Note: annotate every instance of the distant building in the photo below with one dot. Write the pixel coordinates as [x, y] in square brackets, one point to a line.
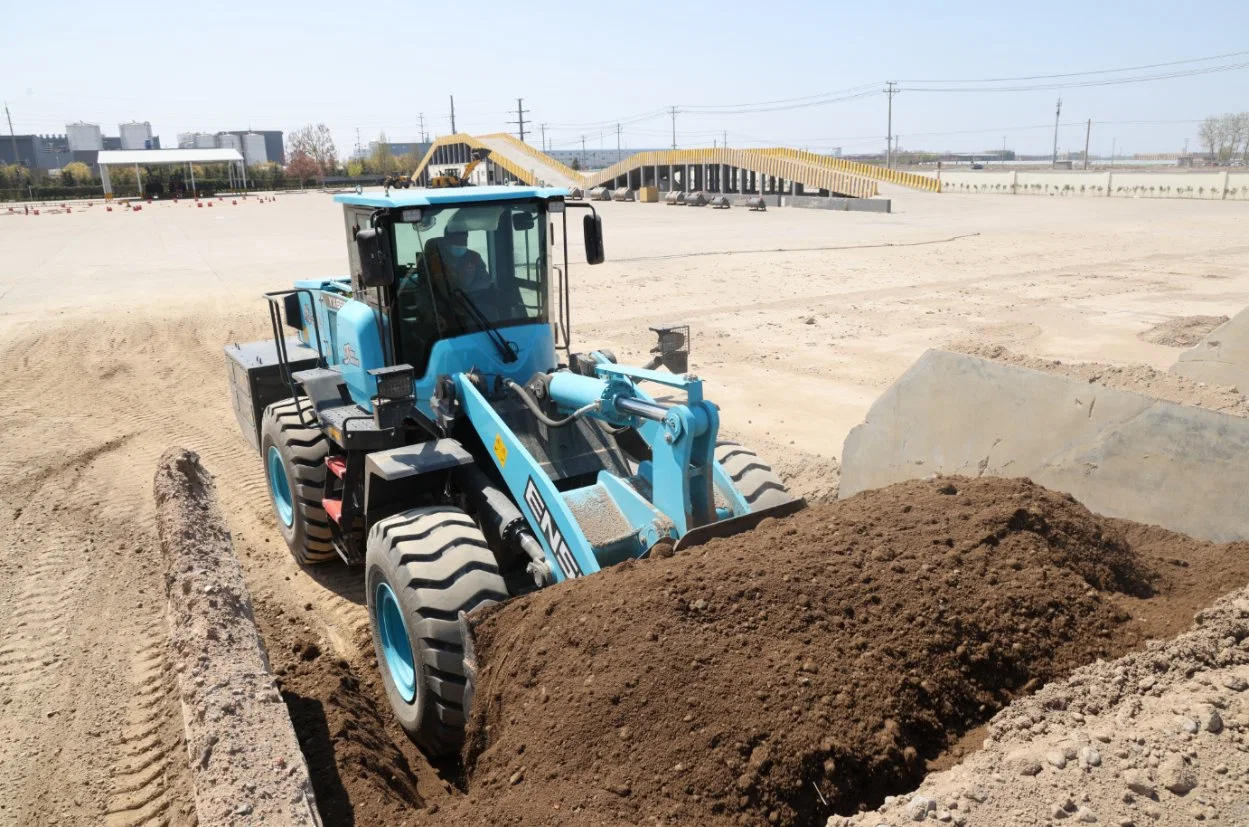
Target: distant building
[594, 158]
[254, 149]
[274, 149]
[399, 150]
[84, 136]
[135, 135]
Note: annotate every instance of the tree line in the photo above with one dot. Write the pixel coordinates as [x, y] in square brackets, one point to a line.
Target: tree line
[1226, 137]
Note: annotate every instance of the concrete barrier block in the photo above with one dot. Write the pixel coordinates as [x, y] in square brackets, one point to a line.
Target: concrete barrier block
[1120, 453]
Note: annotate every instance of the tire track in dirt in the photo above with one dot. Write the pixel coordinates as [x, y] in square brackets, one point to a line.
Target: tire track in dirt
[150, 747]
[82, 617]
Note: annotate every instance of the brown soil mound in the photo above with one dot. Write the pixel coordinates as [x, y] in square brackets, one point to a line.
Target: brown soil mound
[1183, 331]
[812, 666]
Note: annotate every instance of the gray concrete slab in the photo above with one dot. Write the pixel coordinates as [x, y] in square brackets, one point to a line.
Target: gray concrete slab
[1120, 453]
[1222, 357]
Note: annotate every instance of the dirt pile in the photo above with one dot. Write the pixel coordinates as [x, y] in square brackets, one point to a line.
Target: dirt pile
[1157, 737]
[808, 668]
[245, 760]
[1183, 331]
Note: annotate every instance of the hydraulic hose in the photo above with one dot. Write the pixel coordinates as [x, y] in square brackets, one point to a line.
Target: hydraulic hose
[536, 410]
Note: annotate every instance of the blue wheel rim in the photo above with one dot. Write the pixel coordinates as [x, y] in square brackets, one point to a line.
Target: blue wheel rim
[279, 487]
[396, 649]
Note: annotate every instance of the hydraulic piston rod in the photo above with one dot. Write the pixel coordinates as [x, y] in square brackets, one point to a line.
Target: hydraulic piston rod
[642, 408]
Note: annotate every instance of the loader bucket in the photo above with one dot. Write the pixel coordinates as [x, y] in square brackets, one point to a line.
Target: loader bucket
[736, 525]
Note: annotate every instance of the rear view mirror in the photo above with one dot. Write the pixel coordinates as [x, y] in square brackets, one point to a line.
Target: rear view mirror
[593, 229]
[522, 221]
[376, 268]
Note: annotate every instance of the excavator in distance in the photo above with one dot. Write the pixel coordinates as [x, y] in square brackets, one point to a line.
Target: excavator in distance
[450, 178]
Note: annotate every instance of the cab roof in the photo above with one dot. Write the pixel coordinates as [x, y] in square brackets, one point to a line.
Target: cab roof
[449, 195]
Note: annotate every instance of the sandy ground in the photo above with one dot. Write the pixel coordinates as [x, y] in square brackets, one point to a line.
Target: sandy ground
[112, 325]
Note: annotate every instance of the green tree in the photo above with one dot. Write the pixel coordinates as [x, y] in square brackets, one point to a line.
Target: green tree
[311, 150]
[575, 165]
[76, 173]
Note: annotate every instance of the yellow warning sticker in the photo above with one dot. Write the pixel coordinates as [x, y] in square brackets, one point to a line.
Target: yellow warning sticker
[500, 450]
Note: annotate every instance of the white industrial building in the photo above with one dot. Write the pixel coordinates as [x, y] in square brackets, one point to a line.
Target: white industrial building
[135, 135]
[254, 149]
[84, 137]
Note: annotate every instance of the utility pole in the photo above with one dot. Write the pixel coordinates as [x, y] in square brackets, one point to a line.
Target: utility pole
[424, 138]
[16, 159]
[1088, 132]
[520, 117]
[583, 151]
[1057, 112]
[452, 114]
[1112, 151]
[726, 139]
[359, 149]
[1003, 150]
[619, 156]
[543, 127]
[891, 89]
[674, 127]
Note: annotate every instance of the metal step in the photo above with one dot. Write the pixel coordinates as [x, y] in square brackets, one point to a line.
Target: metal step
[337, 465]
[334, 508]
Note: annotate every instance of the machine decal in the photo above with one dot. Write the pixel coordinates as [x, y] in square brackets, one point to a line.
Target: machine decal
[333, 302]
[349, 355]
[533, 498]
[500, 450]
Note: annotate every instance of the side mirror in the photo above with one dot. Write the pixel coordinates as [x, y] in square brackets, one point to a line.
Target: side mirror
[376, 268]
[593, 228]
[522, 221]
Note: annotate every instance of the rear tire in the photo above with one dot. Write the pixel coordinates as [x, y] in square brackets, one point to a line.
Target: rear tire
[752, 477]
[422, 568]
[294, 459]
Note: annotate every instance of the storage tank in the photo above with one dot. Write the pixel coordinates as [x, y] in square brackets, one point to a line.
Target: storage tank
[84, 137]
[135, 135]
[254, 149]
[205, 140]
[228, 140]
[186, 140]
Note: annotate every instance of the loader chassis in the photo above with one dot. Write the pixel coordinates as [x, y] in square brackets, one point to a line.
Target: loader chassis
[417, 417]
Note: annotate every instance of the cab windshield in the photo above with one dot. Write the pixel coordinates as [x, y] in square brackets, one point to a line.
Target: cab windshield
[468, 269]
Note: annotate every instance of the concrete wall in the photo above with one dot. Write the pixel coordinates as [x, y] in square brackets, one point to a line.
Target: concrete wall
[1119, 453]
[1206, 184]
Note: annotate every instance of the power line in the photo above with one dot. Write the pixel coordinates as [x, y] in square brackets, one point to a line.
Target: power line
[1078, 74]
[1209, 70]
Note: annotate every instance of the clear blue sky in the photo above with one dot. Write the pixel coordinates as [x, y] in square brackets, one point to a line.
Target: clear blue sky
[278, 65]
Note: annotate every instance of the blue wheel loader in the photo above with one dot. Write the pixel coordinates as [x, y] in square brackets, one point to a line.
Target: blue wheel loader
[426, 418]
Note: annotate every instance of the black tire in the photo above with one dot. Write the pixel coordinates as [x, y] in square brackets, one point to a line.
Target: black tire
[302, 450]
[436, 564]
[752, 477]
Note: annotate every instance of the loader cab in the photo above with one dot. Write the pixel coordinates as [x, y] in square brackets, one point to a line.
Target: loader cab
[462, 279]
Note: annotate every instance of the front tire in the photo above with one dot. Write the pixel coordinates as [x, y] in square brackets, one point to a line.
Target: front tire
[294, 458]
[751, 477]
[423, 567]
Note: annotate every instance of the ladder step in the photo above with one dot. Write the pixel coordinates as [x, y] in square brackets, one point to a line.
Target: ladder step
[337, 465]
[334, 508]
